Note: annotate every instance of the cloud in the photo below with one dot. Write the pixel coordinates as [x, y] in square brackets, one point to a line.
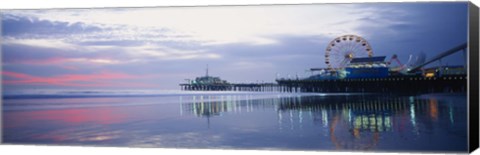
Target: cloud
[102, 79]
[236, 41]
[121, 36]
[21, 26]
[58, 52]
[31, 30]
[158, 52]
[44, 43]
[215, 25]
[43, 52]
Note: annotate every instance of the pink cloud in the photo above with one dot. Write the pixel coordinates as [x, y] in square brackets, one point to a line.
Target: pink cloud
[63, 60]
[48, 61]
[102, 79]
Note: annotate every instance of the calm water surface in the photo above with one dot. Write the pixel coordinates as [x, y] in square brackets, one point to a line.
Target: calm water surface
[241, 121]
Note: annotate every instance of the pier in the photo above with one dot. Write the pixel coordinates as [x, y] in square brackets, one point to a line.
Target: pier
[419, 84]
[256, 87]
[372, 74]
[405, 84]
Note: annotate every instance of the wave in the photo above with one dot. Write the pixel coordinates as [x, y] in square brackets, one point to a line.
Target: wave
[105, 93]
[39, 102]
[56, 93]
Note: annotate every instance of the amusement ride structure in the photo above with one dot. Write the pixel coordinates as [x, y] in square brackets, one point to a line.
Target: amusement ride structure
[341, 50]
[352, 67]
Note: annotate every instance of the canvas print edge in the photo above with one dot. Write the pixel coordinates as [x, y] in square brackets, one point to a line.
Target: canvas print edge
[472, 75]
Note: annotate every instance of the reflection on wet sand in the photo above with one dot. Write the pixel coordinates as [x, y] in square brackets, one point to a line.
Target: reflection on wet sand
[245, 121]
[355, 123]
[103, 116]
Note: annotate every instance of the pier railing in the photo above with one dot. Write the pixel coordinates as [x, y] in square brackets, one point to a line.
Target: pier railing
[257, 87]
[400, 84]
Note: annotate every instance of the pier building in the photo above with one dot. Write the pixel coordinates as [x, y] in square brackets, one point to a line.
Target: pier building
[356, 69]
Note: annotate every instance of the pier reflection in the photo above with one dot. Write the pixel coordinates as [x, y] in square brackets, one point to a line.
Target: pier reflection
[349, 122]
[206, 106]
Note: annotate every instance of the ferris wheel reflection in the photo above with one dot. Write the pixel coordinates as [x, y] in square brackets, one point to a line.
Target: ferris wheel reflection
[350, 122]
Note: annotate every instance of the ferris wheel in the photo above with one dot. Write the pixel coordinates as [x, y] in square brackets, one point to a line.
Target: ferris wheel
[341, 50]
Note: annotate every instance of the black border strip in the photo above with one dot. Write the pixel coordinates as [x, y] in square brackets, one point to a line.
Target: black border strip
[473, 69]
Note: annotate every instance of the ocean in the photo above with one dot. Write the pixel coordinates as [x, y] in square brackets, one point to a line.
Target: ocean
[237, 120]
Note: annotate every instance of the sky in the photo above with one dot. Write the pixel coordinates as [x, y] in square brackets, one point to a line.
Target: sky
[158, 48]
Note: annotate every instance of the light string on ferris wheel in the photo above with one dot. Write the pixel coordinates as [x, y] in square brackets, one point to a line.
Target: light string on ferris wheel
[350, 44]
[340, 52]
[344, 47]
[336, 53]
[357, 48]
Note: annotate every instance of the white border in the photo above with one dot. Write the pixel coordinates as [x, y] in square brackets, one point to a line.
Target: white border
[60, 150]
[36, 4]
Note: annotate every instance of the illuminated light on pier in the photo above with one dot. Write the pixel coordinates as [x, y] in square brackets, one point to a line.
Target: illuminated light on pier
[354, 73]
